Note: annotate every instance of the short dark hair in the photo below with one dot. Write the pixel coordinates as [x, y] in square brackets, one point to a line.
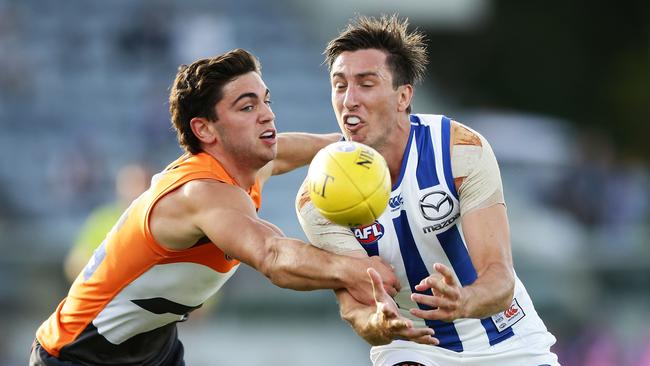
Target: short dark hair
[199, 87]
[406, 51]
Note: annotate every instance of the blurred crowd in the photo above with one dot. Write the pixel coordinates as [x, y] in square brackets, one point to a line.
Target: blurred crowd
[83, 95]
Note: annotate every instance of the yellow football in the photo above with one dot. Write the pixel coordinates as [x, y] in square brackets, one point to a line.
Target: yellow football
[349, 183]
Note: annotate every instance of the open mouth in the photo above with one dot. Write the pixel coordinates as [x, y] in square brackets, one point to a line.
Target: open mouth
[353, 123]
[268, 135]
[352, 120]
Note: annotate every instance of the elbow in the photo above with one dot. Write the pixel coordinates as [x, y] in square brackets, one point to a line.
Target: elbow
[502, 289]
[508, 291]
[271, 264]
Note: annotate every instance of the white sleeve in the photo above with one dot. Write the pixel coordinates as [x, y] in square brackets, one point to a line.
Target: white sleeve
[323, 233]
[482, 185]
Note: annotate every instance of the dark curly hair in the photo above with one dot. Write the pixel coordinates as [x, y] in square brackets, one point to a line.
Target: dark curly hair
[199, 87]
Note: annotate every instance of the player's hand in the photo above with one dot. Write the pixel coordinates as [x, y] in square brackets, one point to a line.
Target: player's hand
[360, 288]
[386, 324]
[446, 299]
[386, 275]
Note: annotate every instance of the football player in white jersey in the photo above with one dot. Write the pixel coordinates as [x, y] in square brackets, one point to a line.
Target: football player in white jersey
[445, 231]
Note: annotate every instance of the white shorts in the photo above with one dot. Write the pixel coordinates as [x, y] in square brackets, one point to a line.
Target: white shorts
[516, 351]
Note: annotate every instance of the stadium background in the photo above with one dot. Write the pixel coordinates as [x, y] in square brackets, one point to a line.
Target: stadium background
[561, 89]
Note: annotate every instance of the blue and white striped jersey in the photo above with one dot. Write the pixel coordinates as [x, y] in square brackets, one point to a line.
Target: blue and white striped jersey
[422, 226]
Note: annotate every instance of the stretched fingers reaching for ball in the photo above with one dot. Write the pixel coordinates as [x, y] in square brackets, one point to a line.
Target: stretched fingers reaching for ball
[447, 297]
[388, 323]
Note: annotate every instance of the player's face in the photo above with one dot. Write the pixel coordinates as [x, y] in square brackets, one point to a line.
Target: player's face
[245, 122]
[363, 97]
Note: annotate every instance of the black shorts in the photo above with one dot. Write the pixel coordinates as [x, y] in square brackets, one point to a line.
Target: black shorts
[40, 357]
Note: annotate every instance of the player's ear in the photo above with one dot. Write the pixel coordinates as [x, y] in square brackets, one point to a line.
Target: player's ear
[405, 94]
[203, 129]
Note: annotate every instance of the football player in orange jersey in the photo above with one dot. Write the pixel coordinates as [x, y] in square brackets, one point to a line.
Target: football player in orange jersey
[180, 240]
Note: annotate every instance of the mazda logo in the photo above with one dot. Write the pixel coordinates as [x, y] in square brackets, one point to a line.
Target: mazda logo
[436, 205]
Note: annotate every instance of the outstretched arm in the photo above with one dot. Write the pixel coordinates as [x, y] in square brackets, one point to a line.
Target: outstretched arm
[226, 215]
[296, 149]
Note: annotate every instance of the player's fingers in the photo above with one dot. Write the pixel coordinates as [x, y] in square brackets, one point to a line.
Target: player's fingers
[377, 285]
[418, 335]
[390, 290]
[429, 281]
[442, 288]
[415, 333]
[437, 302]
[424, 314]
[426, 339]
[391, 282]
[423, 285]
[432, 301]
[396, 326]
[436, 314]
[446, 273]
[389, 312]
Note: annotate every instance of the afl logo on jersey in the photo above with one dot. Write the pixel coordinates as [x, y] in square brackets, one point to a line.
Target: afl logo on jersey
[436, 205]
[369, 234]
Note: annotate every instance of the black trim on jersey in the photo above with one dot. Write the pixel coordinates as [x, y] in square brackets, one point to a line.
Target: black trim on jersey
[160, 305]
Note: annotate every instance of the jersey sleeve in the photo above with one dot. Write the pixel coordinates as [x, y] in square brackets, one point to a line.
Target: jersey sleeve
[482, 186]
[321, 232]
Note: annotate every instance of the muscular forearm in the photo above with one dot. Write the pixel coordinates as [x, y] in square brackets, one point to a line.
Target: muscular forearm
[293, 264]
[488, 240]
[492, 292]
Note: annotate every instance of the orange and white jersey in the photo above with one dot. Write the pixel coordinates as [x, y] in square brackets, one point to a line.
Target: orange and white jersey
[124, 305]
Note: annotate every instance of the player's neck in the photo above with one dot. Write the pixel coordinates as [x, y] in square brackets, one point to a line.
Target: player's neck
[393, 151]
[243, 174]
